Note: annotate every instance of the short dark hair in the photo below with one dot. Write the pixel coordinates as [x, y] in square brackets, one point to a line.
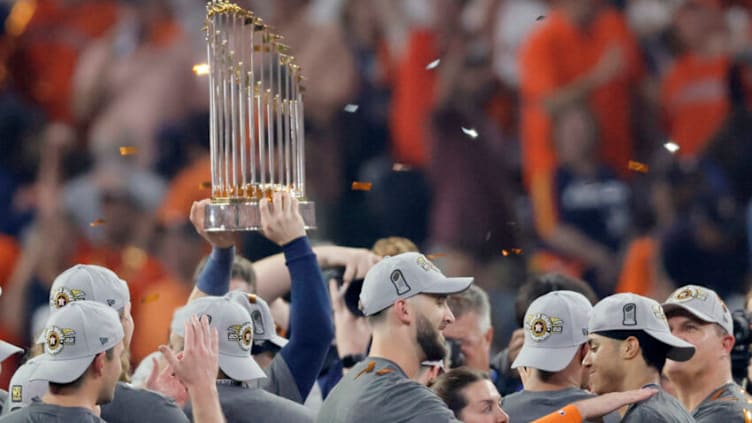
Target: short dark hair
[545, 283]
[57, 387]
[545, 375]
[653, 351]
[449, 385]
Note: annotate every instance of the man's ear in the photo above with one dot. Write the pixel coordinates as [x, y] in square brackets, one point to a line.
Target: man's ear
[98, 364]
[488, 336]
[629, 348]
[402, 311]
[728, 343]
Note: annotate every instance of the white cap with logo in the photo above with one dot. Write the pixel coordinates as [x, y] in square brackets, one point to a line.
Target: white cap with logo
[556, 326]
[74, 335]
[89, 282]
[235, 335]
[404, 276]
[22, 389]
[261, 316]
[628, 312]
[7, 350]
[701, 302]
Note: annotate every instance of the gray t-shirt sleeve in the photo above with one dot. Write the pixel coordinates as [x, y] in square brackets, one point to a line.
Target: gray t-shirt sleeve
[279, 380]
[142, 406]
[718, 411]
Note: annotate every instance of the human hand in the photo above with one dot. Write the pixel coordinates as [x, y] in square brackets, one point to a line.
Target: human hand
[515, 344]
[162, 379]
[351, 332]
[281, 222]
[216, 239]
[198, 365]
[356, 261]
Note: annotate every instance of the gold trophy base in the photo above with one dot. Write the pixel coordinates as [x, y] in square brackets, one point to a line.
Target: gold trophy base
[245, 216]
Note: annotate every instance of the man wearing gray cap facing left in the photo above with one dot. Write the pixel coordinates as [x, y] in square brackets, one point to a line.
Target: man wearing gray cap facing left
[240, 399]
[102, 285]
[704, 384]
[629, 342]
[405, 300]
[81, 362]
[555, 343]
[22, 389]
[6, 350]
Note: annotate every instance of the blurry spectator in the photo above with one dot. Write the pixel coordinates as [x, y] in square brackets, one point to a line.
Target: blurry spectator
[585, 217]
[471, 396]
[514, 21]
[135, 80]
[582, 52]
[694, 93]
[48, 47]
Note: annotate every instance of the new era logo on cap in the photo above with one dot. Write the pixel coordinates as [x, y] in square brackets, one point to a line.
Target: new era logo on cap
[703, 303]
[403, 276]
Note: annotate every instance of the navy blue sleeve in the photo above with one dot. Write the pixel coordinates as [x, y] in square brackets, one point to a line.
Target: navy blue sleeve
[215, 278]
[311, 325]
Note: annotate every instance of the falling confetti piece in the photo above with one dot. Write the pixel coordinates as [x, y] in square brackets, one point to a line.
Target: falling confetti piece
[361, 186]
[150, 298]
[433, 65]
[127, 151]
[97, 222]
[638, 167]
[511, 251]
[488, 236]
[399, 167]
[470, 132]
[205, 185]
[672, 147]
[517, 251]
[351, 108]
[201, 69]
[435, 256]
[540, 18]
[504, 253]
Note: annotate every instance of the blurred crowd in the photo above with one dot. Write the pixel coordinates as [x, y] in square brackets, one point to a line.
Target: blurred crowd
[606, 140]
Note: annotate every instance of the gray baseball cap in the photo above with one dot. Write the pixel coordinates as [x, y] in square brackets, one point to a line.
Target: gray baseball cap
[703, 303]
[261, 317]
[235, 335]
[556, 326]
[7, 350]
[404, 276]
[635, 312]
[74, 335]
[22, 389]
[89, 282]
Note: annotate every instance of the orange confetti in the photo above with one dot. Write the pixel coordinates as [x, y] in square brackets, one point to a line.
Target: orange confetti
[150, 298]
[515, 251]
[97, 222]
[504, 253]
[205, 185]
[435, 256]
[361, 186]
[127, 151]
[638, 167]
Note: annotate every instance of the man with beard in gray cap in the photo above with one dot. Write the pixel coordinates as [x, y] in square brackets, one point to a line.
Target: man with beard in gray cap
[405, 300]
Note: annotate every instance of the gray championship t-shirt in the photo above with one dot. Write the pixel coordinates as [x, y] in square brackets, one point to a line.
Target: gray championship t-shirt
[250, 404]
[377, 390]
[141, 405]
[526, 406]
[727, 404]
[279, 380]
[659, 408]
[39, 412]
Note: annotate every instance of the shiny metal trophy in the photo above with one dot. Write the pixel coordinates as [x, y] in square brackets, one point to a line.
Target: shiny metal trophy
[256, 127]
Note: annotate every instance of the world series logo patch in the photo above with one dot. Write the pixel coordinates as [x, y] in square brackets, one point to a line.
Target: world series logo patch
[541, 326]
[57, 338]
[63, 297]
[242, 334]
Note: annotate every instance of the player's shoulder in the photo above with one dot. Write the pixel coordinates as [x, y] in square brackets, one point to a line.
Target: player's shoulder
[729, 404]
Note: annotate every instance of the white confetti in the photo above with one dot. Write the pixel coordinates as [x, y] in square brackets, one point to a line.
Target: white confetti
[470, 132]
[434, 64]
[672, 147]
[351, 108]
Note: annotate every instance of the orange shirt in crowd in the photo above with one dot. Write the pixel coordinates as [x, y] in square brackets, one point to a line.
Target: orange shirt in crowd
[185, 188]
[557, 54]
[638, 272]
[153, 315]
[47, 50]
[694, 96]
[413, 100]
